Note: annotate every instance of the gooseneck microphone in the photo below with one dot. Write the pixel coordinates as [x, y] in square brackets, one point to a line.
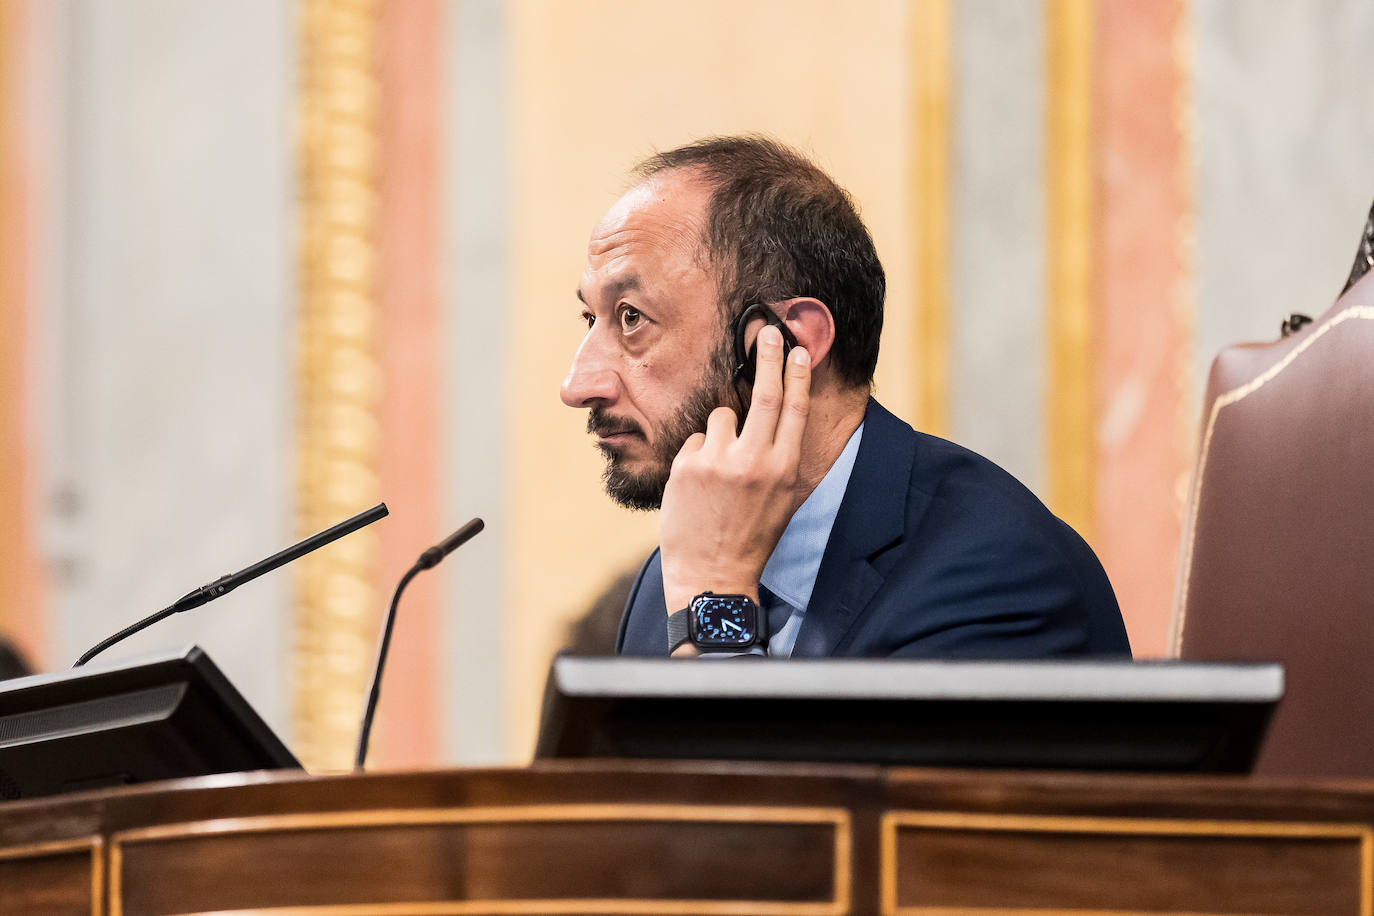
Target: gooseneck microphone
[225, 584]
[428, 560]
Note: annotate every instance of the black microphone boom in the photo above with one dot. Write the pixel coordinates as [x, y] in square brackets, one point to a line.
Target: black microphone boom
[431, 557]
[428, 560]
[225, 584]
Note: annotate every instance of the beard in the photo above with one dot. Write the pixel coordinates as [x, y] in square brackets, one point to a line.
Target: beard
[643, 490]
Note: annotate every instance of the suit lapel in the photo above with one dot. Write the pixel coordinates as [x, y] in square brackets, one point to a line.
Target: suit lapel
[871, 516]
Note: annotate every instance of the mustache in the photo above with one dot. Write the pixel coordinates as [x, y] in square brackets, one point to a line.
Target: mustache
[599, 423]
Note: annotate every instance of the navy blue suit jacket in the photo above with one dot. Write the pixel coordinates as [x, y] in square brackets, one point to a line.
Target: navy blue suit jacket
[936, 553]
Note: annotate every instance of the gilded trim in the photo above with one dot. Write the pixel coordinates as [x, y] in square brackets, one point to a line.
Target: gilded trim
[1046, 911]
[1367, 873]
[892, 821]
[931, 38]
[1055, 823]
[338, 374]
[1069, 391]
[116, 880]
[1235, 396]
[838, 818]
[589, 907]
[54, 848]
[99, 855]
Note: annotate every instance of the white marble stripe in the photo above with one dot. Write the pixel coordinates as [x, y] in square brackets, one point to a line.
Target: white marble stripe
[174, 406]
[1284, 168]
[479, 321]
[997, 217]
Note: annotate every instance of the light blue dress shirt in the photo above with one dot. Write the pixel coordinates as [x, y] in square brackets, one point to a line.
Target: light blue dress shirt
[790, 573]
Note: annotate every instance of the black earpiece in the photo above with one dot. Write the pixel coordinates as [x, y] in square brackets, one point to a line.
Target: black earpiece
[745, 360]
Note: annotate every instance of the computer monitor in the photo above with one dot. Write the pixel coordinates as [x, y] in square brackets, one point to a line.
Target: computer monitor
[1086, 715]
[159, 717]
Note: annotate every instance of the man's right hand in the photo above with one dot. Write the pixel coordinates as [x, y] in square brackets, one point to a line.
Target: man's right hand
[729, 498]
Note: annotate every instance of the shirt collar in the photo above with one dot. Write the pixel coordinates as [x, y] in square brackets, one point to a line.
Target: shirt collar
[791, 571]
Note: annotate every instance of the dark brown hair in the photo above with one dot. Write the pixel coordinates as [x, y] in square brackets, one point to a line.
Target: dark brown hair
[779, 227]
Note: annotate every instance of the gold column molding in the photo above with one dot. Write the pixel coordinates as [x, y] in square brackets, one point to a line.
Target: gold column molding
[1069, 409]
[338, 373]
[930, 43]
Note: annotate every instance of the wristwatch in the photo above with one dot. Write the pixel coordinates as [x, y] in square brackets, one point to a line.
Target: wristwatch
[716, 623]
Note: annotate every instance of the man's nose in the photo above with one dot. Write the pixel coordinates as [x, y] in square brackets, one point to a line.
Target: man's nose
[591, 378]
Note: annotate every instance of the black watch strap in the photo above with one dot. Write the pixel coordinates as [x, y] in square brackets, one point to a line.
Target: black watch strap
[677, 629]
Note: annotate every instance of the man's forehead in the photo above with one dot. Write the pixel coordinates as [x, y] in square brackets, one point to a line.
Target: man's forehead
[668, 208]
[653, 234]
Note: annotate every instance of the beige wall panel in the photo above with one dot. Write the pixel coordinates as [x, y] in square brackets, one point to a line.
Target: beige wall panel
[595, 86]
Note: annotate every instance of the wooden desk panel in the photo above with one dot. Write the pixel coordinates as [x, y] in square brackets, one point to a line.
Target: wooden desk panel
[950, 863]
[700, 838]
[538, 858]
[62, 878]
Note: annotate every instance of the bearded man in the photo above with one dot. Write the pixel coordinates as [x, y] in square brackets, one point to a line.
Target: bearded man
[734, 304]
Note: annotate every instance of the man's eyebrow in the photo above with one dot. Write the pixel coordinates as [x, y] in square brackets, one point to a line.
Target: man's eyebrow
[615, 288]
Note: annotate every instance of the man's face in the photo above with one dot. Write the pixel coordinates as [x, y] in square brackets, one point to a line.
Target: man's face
[653, 364]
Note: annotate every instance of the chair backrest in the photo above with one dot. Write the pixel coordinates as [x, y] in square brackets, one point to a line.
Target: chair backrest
[1277, 557]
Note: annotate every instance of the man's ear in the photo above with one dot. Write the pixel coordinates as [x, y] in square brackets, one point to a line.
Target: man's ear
[811, 323]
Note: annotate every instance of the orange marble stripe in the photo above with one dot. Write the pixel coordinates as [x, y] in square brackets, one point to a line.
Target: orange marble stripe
[21, 573]
[411, 343]
[1141, 288]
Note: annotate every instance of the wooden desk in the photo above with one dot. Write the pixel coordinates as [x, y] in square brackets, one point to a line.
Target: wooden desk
[656, 838]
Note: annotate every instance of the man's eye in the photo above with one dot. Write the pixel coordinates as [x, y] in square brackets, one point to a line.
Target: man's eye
[589, 318]
[630, 318]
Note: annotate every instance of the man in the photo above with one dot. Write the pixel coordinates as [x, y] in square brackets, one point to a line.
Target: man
[856, 534]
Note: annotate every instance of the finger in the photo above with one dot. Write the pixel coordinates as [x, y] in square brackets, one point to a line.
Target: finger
[766, 399]
[695, 442]
[796, 403]
[720, 427]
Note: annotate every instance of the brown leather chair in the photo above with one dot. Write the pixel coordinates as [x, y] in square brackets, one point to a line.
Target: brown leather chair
[1277, 558]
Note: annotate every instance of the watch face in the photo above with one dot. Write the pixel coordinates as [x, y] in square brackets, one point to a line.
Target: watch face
[724, 622]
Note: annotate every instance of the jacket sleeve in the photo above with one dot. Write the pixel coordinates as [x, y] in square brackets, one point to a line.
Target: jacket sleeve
[999, 591]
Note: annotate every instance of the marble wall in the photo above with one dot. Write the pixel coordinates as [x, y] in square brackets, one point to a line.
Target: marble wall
[168, 457]
[167, 345]
[998, 219]
[485, 324]
[1284, 127]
